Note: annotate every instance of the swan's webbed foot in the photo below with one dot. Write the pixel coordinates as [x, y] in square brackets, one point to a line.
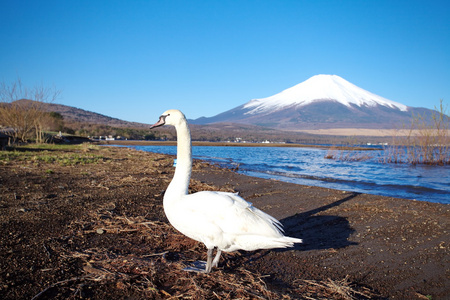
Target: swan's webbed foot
[198, 266]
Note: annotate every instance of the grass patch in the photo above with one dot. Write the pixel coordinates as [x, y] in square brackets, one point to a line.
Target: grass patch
[65, 155]
[70, 159]
[57, 147]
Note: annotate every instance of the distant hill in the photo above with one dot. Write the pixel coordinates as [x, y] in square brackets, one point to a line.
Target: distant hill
[321, 102]
[73, 114]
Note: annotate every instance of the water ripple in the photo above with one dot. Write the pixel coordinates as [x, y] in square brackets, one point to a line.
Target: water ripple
[309, 167]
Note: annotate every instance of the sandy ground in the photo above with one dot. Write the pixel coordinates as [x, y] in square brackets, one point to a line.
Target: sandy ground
[356, 132]
[89, 223]
[364, 132]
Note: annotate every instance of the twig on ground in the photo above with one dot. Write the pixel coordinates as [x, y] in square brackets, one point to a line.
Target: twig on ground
[56, 284]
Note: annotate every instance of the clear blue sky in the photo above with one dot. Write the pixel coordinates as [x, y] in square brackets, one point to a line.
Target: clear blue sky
[134, 59]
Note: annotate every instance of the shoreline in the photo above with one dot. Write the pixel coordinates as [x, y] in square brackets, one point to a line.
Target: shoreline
[230, 144]
[104, 219]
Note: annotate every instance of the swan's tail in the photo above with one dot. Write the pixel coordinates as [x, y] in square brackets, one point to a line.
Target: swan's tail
[290, 241]
[255, 242]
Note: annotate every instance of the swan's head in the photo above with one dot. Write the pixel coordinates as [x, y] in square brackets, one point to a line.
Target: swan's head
[170, 117]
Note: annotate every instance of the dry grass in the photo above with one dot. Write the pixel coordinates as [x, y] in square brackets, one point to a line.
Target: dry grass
[156, 271]
[334, 289]
[354, 154]
[158, 274]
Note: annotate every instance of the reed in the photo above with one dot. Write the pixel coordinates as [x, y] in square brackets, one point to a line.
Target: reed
[425, 142]
[352, 151]
[354, 154]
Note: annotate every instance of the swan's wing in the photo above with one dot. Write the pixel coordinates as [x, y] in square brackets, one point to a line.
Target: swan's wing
[248, 206]
[227, 221]
[232, 213]
[197, 216]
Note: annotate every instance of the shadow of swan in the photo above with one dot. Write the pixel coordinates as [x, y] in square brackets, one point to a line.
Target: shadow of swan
[320, 232]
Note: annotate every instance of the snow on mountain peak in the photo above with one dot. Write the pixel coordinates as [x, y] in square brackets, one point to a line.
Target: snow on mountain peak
[320, 87]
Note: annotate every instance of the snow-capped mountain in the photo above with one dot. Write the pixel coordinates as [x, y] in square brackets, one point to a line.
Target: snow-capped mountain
[322, 101]
[319, 88]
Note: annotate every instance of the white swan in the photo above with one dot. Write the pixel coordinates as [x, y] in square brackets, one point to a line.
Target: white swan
[217, 219]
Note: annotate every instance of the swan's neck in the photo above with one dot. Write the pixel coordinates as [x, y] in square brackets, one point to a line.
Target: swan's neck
[180, 182]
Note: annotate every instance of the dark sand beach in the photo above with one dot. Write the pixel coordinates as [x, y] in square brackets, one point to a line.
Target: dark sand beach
[89, 223]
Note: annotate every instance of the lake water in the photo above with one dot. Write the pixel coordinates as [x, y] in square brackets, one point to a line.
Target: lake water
[308, 166]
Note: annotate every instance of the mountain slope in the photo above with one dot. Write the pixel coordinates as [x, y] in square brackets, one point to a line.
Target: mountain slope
[73, 114]
[323, 101]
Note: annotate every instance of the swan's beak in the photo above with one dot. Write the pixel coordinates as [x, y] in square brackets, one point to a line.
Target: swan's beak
[161, 122]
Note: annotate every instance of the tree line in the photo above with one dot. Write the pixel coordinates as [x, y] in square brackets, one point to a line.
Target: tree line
[23, 117]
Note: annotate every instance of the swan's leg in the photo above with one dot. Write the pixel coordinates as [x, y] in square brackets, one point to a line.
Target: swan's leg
[210, 263]
[215, 262]
[209, 260]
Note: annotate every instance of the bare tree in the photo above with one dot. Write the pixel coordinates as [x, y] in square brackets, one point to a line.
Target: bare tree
[22, 111]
